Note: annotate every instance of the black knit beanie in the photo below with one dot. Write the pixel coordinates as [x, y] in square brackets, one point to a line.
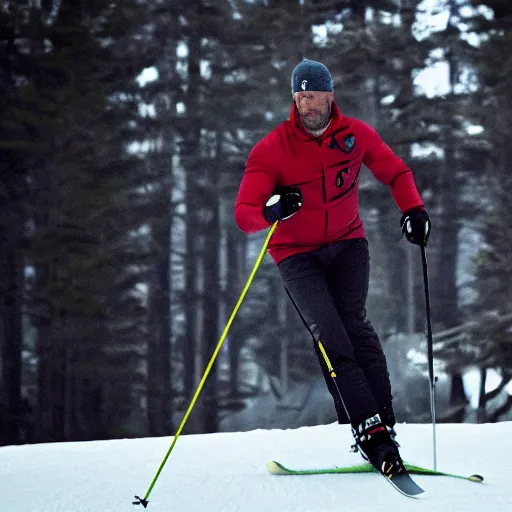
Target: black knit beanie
[310, 75]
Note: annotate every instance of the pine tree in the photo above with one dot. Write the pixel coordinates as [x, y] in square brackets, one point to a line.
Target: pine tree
[81, 247]
[492, 334]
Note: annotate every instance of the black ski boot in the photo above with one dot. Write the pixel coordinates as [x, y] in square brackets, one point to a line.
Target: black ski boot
[392, 433]
[376, 445]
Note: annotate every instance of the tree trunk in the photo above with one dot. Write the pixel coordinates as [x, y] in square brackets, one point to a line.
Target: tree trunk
[482, 399]
[211, 311]
[11, 292]
[13, 193]
[159, 345]
[233, 289]
[49, 322]
[445, 308]
[190, 156]
[51, 383]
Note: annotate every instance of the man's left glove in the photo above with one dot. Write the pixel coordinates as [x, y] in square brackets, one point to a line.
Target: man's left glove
[415, 224]
[282, 204]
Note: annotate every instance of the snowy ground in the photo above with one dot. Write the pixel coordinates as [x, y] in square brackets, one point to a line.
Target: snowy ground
[226, 472]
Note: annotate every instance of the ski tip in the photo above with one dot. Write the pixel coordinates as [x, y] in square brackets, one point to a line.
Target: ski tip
[274, 468]
[406, 485]
[420, 496]
[417, 494]
[476, 478]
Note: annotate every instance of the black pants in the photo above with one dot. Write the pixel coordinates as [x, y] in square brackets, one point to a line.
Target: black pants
[329, 286]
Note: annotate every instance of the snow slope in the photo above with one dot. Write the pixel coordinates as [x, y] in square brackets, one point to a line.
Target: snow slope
[226, 472]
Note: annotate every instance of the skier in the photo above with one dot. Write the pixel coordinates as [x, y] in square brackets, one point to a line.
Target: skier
[305, 173]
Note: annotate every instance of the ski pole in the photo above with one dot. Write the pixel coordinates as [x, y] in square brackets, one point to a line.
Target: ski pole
[144, 501]
[430, 350]
[320, 345]
[332, 373]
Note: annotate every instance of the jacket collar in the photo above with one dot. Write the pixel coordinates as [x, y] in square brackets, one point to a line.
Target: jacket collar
[337, 122]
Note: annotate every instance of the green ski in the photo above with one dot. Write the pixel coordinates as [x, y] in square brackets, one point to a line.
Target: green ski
[276, 468]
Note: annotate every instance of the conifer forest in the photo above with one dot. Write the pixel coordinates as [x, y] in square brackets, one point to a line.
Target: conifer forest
[124, 131]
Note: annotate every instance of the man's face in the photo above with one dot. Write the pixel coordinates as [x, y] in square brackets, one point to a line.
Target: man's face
[314, 108]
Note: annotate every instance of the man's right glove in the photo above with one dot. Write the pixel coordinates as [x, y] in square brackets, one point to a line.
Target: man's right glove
[282, 204]
[415, 224]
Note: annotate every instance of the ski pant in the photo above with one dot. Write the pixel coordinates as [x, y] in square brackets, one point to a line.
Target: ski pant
[329, 287]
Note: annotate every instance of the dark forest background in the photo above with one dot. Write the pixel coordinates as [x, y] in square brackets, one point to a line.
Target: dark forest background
[120, 261]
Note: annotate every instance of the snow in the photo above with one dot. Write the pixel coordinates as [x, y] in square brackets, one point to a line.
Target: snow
[226, 472]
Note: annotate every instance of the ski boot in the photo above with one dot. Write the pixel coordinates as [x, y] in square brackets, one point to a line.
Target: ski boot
[375, 444]
[392, 434]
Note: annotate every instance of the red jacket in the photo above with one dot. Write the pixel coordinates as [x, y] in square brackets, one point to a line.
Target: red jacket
[326, 169]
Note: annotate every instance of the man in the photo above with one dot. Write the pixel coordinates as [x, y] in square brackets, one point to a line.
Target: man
[305, 174]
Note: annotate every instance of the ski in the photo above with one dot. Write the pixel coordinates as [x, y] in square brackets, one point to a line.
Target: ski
[402, 482]
[276, 468]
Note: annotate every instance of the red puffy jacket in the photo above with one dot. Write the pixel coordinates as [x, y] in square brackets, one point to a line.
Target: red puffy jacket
[326, 169]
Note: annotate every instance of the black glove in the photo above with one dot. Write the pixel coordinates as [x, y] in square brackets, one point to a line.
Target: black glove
[282, 204]
[415, 224]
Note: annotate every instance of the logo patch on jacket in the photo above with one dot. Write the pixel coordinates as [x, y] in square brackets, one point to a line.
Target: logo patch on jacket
[339, 177]
[346, 146]
[350, 142]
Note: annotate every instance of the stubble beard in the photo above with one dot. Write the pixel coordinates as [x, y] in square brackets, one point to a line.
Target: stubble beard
[317, 121]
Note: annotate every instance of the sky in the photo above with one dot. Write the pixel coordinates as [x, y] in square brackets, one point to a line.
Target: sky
[226, 472]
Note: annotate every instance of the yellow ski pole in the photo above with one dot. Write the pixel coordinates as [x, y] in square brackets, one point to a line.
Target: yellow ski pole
[144, 501]
[330, 368]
